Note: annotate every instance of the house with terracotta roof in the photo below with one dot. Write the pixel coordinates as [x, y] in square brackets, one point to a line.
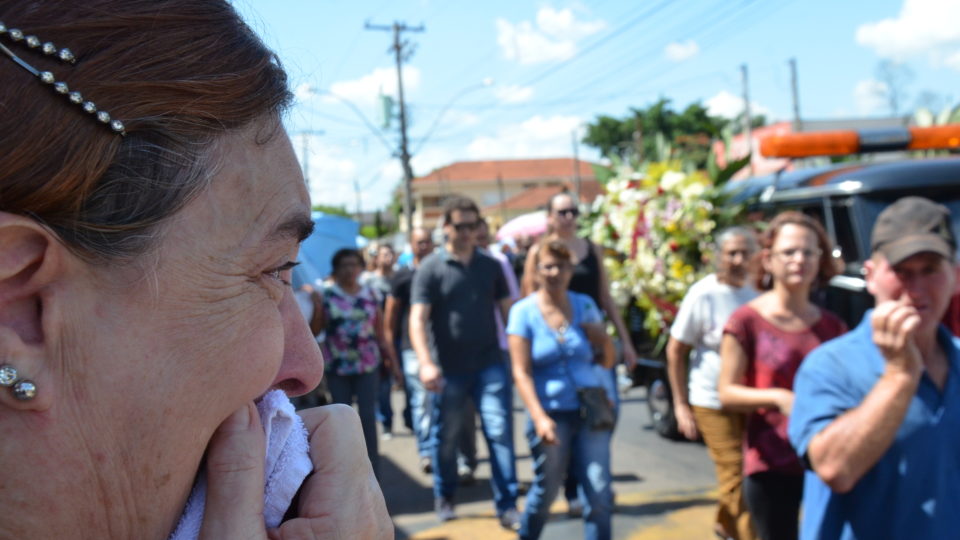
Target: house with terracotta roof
[503, 189]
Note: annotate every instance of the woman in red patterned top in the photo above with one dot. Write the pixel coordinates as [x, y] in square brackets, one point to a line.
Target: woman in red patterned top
[763, 344]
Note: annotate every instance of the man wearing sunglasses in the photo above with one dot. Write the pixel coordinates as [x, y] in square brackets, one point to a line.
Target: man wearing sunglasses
[452, 324]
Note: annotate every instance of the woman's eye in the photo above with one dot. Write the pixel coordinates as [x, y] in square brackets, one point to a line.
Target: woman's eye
[282, 273]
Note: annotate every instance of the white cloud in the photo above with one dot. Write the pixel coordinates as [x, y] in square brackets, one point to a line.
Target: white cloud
[728, 105]
[678, 51]
[538, 136]
[552, 37]
[513, 93]
[365, 91]
[868, 96]
[923, 27]
[953, 61]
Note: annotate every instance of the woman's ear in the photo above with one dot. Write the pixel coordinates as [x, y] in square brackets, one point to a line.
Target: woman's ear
[30, 261]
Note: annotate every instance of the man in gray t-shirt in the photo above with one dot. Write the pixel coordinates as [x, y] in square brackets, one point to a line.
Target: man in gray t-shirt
[454, 295]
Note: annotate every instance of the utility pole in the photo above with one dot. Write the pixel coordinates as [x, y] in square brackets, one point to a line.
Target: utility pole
[503, 210]
[400, 54]
[747, 127]
[576, 164]
[797, 124]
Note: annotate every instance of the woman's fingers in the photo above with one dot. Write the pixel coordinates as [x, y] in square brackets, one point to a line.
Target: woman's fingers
[234, 505]
[342, 498]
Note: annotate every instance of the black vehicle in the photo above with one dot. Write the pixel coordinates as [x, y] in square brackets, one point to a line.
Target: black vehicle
[846, 198]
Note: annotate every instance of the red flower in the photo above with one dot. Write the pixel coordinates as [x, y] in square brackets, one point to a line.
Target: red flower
[674, 246]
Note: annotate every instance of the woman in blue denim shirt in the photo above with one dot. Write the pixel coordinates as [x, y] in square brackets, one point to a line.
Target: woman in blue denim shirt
[552, 335]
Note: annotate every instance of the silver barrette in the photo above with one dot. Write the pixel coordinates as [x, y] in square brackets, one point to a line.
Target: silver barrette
[64, 55]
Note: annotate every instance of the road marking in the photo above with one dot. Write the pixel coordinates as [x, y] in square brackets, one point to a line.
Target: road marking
[682, 524]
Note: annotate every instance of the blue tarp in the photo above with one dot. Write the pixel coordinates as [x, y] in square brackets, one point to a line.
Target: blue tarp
[330, 234]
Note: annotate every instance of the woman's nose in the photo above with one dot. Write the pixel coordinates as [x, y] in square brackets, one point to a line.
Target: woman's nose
[302, 366]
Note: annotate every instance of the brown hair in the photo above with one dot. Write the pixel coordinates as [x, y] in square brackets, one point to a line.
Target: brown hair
[458, 203]
[791, 217]
[554, 247]
[178, 73]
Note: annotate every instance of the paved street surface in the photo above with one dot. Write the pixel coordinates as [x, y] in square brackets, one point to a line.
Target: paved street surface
[663, 488]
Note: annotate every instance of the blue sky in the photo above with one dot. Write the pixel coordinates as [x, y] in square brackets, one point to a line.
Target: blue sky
[503, 79]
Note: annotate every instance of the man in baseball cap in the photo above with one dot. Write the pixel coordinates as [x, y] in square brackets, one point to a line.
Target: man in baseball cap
[876, 416]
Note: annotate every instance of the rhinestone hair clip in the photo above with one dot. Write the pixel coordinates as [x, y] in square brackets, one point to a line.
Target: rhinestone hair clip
[46, 77]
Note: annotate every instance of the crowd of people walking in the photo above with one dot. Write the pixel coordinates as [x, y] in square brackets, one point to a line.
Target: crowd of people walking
[465, 328]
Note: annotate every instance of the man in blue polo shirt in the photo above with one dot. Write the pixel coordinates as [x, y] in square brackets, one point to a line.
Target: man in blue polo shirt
[452, 323]
[876, 413]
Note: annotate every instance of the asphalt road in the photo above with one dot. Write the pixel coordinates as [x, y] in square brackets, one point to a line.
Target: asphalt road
[664, 489]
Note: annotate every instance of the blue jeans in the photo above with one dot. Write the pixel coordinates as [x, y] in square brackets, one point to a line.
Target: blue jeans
[608, 379]
[384, 407]
[421, 408]
[589, 452]
[363, 388]
[492, 393]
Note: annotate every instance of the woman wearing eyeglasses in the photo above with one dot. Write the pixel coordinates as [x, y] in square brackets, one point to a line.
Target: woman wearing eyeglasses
[763, 344]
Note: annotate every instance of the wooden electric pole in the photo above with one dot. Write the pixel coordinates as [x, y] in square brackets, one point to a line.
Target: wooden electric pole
[400, 54]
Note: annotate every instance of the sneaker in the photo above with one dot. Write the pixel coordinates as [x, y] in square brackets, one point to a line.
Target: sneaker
[444, 508]
[387, 434]
[426, 466]
[510, 520]
[465, 475]
[574, 508]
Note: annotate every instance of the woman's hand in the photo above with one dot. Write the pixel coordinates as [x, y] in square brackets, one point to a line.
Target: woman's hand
[546, 429]
[784, 400]
[341, 499]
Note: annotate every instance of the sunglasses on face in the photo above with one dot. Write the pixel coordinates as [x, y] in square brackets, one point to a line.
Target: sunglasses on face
[569, 212]
[465, 226]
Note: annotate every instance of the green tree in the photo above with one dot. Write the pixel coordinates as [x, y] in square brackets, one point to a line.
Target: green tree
[657, 132]
[332, 210]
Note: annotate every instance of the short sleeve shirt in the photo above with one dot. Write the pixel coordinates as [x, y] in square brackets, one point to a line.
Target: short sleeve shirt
[699, 323]
[773, 358]
[400, 291]
[462, 298]
[912, 491]
[351, 340]
[561, 362]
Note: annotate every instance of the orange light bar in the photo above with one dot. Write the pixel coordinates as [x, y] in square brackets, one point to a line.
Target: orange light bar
[935, 138]
[840, 143]
[821, 143]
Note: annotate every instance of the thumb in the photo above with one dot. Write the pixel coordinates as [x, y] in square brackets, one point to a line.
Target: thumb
[235, 456]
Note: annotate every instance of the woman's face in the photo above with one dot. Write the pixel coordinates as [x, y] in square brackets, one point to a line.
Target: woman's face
[554, 273]
[563, 214]
[794, 258]
[154, 360]
[385, 257]
[348, 271]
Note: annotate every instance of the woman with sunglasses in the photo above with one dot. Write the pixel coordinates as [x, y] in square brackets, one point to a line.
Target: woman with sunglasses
[588, 278]
[763, 345]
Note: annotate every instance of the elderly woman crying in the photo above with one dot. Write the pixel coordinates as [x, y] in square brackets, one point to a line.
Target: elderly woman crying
[151, 209]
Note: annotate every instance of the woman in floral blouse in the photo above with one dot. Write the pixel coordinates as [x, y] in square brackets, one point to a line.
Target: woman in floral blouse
[355, 344]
